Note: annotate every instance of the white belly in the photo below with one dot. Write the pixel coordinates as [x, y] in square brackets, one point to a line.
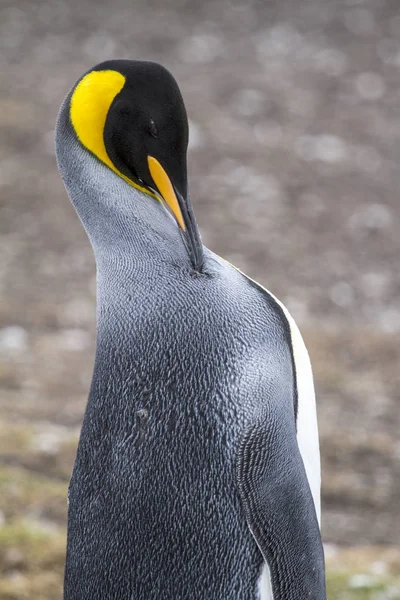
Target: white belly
[307, 431]
[307, 428]
[264, 584]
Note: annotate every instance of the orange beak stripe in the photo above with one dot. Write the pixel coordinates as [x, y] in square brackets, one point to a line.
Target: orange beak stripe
[164, 184]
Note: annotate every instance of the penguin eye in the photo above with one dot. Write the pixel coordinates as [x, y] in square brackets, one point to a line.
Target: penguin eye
[153, 129]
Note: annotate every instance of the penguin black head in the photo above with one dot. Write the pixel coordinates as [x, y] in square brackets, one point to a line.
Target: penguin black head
[131, 116]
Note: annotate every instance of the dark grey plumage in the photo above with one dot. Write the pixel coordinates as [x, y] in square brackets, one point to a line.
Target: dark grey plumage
[188, 474]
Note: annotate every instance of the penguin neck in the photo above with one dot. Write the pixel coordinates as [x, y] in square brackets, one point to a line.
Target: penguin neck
[119, 219]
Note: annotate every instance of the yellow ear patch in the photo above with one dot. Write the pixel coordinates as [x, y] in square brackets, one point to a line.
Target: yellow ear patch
[90, 103]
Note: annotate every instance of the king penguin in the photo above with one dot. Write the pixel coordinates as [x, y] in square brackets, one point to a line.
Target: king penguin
[197, 475]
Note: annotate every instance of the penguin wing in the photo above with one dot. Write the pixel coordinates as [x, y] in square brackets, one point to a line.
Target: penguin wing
[279, 506]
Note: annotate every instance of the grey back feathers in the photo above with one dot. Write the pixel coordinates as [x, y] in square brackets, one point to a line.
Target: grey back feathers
[188, 481]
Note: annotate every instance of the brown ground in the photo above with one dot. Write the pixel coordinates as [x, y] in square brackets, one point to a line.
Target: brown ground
[294, 178]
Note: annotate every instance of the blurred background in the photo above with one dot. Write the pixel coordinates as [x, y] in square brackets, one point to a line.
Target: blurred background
[294, 177]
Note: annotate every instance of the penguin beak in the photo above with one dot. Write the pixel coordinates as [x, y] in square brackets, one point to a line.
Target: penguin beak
[181, 209]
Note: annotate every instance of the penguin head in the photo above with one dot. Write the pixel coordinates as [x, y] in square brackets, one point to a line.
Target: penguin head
[131, 116]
